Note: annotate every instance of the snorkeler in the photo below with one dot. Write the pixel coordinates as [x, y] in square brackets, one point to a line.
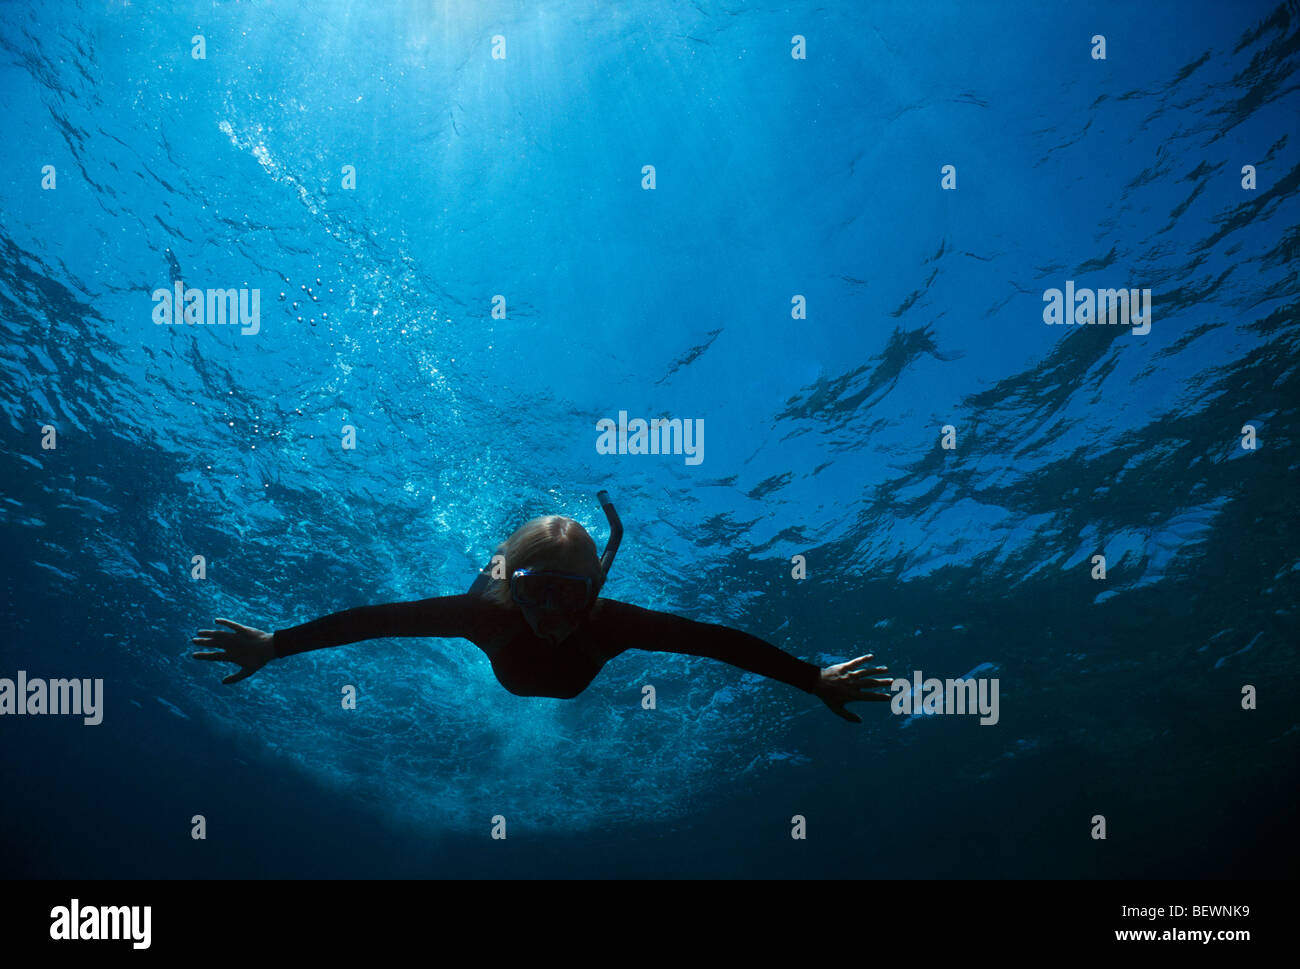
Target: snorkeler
[544, 628]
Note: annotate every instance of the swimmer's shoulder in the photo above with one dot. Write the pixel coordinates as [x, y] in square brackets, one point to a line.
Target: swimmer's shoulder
[614, 622]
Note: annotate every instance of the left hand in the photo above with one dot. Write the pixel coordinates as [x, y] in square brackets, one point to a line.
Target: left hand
[250, 648]
[853, 680]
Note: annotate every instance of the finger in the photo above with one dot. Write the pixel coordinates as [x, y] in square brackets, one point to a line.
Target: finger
[235, 625]
[863, 684]
[836, 707]
[857, 675]
[853, 664]
[220, 655]
[224, 636]
[236, 677]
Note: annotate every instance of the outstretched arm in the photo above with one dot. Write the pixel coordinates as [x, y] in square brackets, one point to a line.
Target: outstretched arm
[252, 648]
[439, 616]
[631, 627]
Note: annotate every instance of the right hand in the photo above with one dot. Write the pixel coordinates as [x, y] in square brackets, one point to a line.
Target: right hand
[846, 682]
[250, 648]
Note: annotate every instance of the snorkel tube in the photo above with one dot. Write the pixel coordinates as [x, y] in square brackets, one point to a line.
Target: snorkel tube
[615, 531]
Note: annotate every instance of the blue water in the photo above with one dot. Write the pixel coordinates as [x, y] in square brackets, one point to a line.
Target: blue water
[774, 177]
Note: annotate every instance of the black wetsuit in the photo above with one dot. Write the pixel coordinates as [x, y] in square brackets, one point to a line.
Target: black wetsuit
[525, 664]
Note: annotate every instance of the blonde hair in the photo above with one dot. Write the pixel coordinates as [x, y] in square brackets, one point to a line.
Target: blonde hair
[532, 541]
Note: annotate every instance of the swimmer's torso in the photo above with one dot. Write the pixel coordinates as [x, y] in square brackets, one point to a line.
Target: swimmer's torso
[526, 665]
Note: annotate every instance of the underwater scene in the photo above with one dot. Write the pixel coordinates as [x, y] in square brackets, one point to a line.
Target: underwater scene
[940, 362]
